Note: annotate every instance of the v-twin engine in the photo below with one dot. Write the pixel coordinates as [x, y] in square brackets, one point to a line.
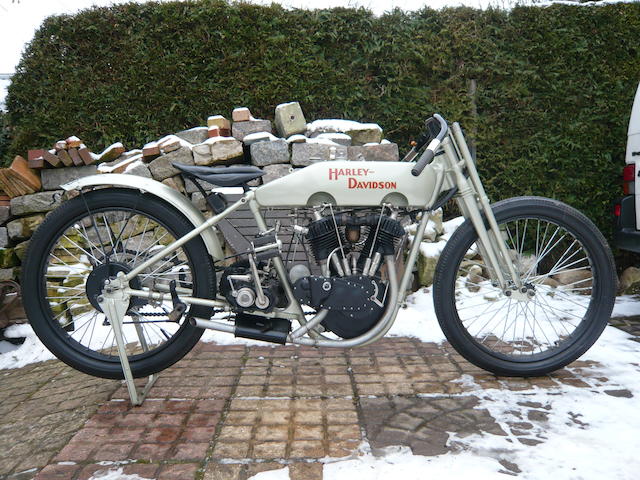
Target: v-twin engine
[350, 249]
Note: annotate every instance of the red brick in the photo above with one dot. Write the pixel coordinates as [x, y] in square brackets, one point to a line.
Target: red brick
[75, 452]
[203, 420]
[57, 472]
[113, 452]
[170, 420]
[135, 419]
[113, 407]
[33, 154]
[102, 420]
[162, 435]
[144, 471]
[178, 472]
[171, 406]
[198, 434]
[192, 450]
[230, 449]
[120, 434]
[209, 406]
[92, 435]
[151, 451]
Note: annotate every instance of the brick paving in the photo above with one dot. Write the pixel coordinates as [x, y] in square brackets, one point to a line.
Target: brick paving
[630, 325]
[229, 412]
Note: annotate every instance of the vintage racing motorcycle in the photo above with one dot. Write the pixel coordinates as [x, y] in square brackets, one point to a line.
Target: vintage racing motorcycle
[124, 277]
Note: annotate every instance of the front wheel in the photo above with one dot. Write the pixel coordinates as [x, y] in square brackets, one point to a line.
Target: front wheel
[94, 237]
[568, 290]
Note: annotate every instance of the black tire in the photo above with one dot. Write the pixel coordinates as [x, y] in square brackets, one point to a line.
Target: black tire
[196, 272]
[486, 348]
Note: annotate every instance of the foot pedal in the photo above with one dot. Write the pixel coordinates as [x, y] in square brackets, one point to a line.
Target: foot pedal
[178, 307]
[274, 330]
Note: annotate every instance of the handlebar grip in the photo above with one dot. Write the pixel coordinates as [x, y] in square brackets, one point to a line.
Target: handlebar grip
[426, 157]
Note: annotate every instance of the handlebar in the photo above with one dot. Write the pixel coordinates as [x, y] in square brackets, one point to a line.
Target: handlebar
[430, 151]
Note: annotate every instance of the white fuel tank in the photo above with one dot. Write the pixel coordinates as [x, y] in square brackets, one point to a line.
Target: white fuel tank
[345, 183]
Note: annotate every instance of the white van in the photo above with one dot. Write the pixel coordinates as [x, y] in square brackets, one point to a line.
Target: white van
[626, 233]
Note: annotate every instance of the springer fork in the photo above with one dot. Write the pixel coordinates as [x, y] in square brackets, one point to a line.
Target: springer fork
[474, 205]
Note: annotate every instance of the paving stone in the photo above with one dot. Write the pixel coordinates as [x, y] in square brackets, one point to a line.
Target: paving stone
[59, 412]
[242, 129]
[269, 449]
[339, 138]
[4, 237]
[140, 169]
[5, 213]
[58, 472]
[273, 172]
[407, 422]
[53, 178]
[289, 119]
[269, 153]
[190, 450]
[36, 202]
[22, 228]
[215, 471]
[194, 135]
[178, 472]
[303, 154]
[162, 167]
[360, 133]
[386, 152]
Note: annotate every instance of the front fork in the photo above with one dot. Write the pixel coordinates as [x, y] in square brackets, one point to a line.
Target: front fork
[474, 205]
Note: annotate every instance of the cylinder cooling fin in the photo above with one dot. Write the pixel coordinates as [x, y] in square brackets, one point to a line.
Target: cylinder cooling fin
[322, 238]
[381, 233]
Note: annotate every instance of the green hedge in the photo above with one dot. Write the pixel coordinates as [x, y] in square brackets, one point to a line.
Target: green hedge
[554, 85]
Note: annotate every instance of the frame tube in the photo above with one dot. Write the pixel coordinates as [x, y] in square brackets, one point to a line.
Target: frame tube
[182, 240]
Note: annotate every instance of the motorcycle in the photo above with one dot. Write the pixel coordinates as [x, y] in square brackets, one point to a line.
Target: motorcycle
[130, 271]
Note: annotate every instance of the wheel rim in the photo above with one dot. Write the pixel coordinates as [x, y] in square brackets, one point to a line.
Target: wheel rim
[124, 238]
[551, 310]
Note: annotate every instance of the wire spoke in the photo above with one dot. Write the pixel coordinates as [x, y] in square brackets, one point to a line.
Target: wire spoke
[541, 318]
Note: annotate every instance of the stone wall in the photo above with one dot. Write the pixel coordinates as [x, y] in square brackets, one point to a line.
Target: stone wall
[277, 147]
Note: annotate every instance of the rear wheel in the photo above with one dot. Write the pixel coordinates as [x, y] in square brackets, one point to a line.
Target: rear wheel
[567, 295]
[91, 238]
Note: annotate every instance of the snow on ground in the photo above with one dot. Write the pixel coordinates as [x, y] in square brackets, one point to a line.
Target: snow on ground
[589, 433]
[31, 351]
[417, 320]
[279, 474]
[115, 474]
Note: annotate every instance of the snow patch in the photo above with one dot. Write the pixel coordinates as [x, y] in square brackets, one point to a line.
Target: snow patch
[174, 138]
[339, 126]
[279, 474]
[31, 351]
[400, 462]
[259, 137]
[115, 474]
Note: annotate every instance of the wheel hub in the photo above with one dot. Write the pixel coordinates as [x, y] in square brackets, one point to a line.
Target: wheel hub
[100, 274]
[524, 294]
